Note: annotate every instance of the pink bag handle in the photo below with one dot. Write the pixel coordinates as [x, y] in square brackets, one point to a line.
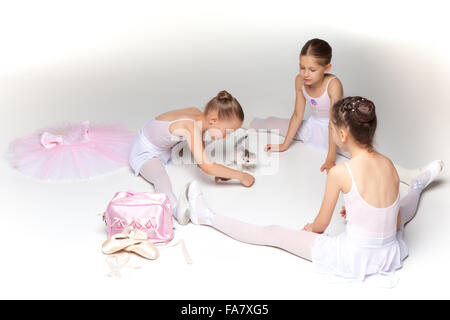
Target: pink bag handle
[141, 195]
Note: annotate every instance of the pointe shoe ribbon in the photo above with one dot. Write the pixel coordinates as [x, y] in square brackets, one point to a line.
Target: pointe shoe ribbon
[187, 258]
[131, 240]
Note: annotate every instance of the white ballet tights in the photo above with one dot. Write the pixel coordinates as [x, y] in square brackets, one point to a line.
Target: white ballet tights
[409, 203]
[271, 123]
[282, 125]
[154, 172]
[297, 242]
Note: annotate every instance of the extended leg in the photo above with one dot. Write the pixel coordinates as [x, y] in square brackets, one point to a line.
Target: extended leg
[154, 172]
[409, 203]
[297, 242]
[406, 175]
[271, 123]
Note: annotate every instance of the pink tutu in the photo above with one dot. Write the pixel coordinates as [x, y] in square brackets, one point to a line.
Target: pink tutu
[74, 151]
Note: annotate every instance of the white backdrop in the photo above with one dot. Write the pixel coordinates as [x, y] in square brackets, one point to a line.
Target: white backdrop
[126, 61]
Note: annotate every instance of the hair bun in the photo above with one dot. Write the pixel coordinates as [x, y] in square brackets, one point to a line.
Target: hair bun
[364, 110]
[224, 96]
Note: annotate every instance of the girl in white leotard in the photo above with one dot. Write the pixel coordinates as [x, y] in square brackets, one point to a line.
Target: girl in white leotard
[373, 241]
[315, 87]
[151, 149]
[320, 90]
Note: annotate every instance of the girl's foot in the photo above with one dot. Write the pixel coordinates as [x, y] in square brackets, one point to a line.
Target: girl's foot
[427, 175]
[407, 175]
[182, 210]
[199, 212]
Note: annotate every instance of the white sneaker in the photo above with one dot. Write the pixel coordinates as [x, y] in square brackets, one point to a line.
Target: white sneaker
[199, 212]
[182, 212]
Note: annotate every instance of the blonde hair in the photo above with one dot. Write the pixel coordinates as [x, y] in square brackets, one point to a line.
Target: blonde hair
[226, 106]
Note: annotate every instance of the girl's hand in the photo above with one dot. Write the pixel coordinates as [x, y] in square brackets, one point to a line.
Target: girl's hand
[327, 165]
[343, 212]
[275, 147]
[247, 180]
[217, 179]
[308, 227]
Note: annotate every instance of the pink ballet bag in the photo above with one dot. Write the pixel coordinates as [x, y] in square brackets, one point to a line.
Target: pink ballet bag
[146, 211]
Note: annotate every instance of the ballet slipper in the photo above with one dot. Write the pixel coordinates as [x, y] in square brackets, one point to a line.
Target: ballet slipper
[182, 212]
[145, 249]
[118, 242]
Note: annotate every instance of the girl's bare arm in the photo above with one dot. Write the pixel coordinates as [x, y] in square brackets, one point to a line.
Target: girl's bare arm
[297, 116]
[332, 190]
[194, 138]
[335, 92]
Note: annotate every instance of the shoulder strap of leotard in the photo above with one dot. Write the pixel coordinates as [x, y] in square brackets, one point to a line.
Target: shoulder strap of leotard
[328, 83]
[349, 171]
[305, 94]
[326, 88]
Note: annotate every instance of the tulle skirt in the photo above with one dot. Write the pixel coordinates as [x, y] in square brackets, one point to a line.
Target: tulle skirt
[355, 257]
[73, 151]
[314, 133]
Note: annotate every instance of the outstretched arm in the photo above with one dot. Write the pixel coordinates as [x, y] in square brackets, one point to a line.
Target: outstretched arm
[329, 201]
[296, 118]
[194, 137]
[335, 93]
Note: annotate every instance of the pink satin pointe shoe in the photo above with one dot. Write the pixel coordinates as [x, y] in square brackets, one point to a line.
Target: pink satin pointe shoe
[145, 249]
[131, 241]
[118, 242]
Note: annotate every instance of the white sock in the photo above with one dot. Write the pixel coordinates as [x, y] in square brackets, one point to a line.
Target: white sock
[154, 172]
[427, 174]
[200, 213]
[421, 180]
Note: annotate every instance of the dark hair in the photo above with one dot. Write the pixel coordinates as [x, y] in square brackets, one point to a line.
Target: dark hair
[317, 48]
[357, 114]
[226, 105]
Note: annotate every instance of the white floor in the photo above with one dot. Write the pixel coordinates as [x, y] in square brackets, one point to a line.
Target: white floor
[52, 233]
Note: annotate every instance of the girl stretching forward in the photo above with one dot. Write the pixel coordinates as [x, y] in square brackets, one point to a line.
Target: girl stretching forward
[152, 147]
[315, 86]
[376, 216]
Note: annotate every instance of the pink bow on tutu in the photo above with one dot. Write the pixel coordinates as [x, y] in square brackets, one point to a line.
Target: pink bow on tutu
[74, 135]
[73, 151]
